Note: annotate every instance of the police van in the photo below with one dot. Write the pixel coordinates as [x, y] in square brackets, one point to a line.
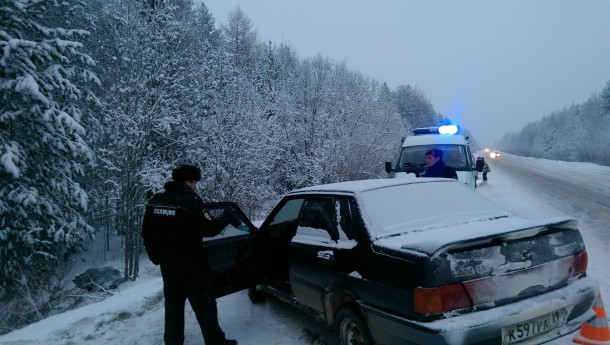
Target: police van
[456, 153]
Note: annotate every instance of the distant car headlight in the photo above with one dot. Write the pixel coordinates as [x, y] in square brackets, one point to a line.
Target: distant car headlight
[493, 155]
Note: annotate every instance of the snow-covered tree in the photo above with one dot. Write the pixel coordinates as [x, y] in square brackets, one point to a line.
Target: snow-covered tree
[44, 78]
[240, 39]
[237, 150]
[151, 69]
[414, 108]
[339, 126]
[577, 133]
[605, 97]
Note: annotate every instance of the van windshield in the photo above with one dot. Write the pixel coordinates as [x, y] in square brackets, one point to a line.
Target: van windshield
[413, 158]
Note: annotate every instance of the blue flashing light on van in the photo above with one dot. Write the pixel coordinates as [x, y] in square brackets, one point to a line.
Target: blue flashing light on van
[445, 130]
[450, 129]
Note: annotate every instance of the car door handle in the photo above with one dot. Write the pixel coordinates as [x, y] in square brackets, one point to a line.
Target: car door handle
[325, 257]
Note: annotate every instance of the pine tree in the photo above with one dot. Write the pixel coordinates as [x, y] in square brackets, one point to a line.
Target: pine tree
[45, 79]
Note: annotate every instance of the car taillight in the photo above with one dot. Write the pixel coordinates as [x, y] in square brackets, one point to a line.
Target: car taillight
[446, 298]
[581, 261]
[440, 299]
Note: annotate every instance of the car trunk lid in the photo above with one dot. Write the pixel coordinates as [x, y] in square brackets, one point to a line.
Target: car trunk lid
[433, 241]
[500, 261]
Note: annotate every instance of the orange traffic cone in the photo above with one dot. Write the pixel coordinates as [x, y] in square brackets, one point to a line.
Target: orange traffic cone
[595, 332]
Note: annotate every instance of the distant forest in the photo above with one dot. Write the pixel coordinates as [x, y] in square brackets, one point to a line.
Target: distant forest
[101, 98]
[580, 133]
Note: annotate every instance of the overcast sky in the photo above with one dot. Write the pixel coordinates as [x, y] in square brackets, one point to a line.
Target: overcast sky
[492, 66]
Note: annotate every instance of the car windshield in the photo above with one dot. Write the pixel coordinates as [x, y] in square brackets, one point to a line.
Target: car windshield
[421, 206]
[413, 157]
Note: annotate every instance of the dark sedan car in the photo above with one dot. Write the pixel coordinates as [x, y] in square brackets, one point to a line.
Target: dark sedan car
[412, 261]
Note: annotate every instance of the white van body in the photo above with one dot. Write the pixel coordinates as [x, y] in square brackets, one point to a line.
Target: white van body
[456, 154]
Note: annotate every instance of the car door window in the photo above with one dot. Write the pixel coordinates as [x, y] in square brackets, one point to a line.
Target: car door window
[317, 220]
[283, 223]
[215, 210]
[289, 212]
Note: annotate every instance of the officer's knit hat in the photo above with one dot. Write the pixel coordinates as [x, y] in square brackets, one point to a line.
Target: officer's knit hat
[186, 172]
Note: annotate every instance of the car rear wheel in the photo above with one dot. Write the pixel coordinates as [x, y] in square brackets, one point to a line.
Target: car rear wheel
[351, 328]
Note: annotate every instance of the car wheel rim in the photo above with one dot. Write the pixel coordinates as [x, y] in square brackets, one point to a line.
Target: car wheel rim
[350, 333]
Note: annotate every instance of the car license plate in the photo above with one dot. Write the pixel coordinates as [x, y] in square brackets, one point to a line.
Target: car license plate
[531, 328]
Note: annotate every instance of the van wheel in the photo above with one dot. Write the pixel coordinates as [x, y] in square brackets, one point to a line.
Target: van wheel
[351, 329]
[255, 295]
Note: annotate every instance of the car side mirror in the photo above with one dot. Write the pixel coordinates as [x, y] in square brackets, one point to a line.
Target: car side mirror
[388, 167]
[480, 164]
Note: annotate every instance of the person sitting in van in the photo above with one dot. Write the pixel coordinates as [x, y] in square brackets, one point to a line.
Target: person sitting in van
[435, 166]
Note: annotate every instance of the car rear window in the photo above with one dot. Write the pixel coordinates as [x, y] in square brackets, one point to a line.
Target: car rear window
[421, 206]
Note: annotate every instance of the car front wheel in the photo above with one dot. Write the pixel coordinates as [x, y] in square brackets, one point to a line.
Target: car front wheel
[351, 328]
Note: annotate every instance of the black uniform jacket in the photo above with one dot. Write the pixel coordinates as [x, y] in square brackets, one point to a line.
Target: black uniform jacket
[173, 228]
[440, 170]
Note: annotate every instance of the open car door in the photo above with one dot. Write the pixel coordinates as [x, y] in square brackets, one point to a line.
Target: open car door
[233, 255]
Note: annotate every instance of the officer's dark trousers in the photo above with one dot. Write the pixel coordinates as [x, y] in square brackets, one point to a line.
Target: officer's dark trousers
[205, 310]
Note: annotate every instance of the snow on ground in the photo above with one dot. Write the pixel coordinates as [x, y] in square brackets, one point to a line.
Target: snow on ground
[134, 314]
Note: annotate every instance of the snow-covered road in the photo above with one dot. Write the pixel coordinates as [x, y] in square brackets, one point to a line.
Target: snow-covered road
[582, 192]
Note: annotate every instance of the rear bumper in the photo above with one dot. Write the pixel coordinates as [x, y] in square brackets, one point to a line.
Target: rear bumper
[484, 327]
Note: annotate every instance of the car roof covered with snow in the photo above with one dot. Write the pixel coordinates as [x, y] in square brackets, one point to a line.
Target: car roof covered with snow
[359, 186]
[426, 214]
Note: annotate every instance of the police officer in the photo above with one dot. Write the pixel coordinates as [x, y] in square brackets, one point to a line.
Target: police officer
[173, 227]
